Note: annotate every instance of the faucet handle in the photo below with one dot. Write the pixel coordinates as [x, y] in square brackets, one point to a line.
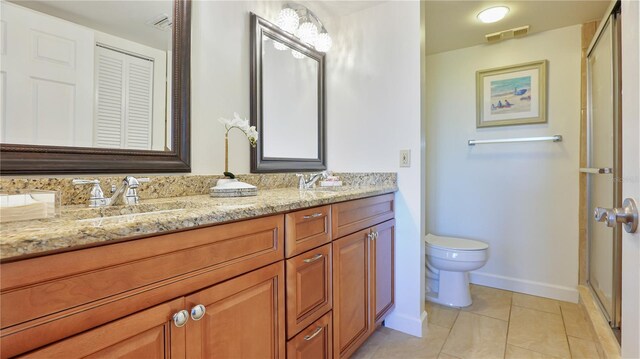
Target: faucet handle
[301, 181]
[96, 198]
[133, 182]
[131, 195]
[78, 181]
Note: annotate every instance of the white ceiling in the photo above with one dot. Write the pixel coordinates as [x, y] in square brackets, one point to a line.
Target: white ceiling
[125, 19]
[338, 8]
[453, 24]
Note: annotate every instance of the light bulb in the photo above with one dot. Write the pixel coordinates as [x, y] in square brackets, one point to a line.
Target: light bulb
[307, 32]
[493, 14]
[288, 20]
[297, 54]
[323, 42]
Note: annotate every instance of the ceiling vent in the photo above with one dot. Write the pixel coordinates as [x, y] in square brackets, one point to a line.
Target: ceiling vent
[161, 22]
[507, 34]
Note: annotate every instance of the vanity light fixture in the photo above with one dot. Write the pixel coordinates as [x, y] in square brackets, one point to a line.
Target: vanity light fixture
[288, 20]
[323, 42]
[307, 32]
[305, 25]
[493, 14]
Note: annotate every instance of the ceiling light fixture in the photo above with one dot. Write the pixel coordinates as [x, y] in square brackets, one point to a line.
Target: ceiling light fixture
[493, 14]
[305, 25]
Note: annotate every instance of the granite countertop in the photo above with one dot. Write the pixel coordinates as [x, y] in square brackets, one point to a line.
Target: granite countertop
[79, 225]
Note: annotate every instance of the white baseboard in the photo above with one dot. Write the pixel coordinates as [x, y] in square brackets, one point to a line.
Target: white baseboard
[406, 324]
[539, 289]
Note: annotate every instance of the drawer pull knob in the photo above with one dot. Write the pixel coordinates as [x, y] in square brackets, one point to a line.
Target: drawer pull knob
[197, 312]
[313, 259]
[180, 318]
[315, 215]
[314, 334]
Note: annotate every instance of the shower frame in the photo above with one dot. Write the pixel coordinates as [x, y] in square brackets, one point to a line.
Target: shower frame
[612, 16]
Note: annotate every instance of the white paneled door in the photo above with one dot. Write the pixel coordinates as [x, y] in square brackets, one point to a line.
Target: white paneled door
[47, 82]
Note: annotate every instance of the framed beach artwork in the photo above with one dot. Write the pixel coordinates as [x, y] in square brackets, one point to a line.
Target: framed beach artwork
[512, 95]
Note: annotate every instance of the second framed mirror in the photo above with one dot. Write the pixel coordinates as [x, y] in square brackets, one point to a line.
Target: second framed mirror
[287, 101]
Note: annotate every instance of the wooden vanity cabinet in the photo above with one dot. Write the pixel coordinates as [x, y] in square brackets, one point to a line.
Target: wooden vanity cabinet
[55, 297]
[269, 287]
[363, 269]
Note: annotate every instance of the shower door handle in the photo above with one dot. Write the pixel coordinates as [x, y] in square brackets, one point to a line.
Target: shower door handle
[627, 215]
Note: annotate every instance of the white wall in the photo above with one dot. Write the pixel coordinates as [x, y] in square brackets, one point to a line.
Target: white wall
[373, 111]
[522, 199]
[220, 80]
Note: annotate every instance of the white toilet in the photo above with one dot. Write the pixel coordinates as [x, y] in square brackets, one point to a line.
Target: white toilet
[449, 261]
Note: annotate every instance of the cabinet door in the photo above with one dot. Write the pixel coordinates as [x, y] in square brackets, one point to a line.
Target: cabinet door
[147, 334]
[351, 288]
[243, 318]
[308, 288]
[384, 264]
[314, 342]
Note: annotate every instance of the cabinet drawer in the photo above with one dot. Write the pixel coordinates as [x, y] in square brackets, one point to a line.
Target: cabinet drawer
[307, 229]
[350, 217]
[314, 342]
[309, 288]
[50, 299]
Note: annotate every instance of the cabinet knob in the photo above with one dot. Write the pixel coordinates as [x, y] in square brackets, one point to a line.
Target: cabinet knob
[180, 318]
[198, 311]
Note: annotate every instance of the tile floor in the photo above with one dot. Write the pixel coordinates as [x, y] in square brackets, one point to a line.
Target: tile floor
[499, 324]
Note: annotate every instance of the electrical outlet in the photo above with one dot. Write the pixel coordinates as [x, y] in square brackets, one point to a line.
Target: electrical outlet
[405, 158]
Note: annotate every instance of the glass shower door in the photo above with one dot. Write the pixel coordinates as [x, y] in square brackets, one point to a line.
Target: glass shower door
[603, 162]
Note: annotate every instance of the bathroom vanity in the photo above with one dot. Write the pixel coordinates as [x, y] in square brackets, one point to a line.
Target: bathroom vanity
[312, 281]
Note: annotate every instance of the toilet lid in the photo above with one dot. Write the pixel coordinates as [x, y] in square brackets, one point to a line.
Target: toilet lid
[455, 243]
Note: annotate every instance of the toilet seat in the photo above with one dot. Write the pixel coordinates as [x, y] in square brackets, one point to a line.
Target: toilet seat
[456, 244]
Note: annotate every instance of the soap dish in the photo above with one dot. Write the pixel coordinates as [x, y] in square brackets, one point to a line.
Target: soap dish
[24, 205]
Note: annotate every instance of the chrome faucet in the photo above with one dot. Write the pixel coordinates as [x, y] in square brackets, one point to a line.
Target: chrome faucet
[304, 184]
[126, 193]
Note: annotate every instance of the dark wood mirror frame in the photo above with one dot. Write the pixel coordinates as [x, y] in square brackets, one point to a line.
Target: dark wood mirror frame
[33, 159]
[259, 163]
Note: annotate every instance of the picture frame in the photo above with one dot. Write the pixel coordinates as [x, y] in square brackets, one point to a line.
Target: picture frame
[512, 95]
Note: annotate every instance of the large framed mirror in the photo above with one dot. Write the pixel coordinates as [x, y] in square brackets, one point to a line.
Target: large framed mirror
[95, 86]
[287, 101]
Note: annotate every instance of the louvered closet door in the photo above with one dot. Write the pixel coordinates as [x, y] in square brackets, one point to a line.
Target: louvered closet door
[124, 96]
